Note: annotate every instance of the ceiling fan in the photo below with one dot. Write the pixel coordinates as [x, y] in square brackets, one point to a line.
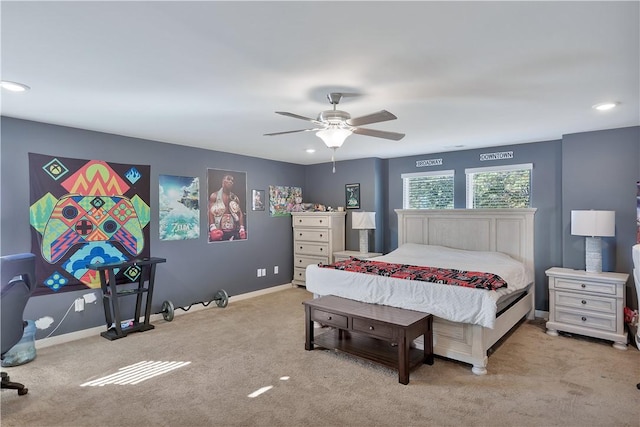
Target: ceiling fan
[334, 126]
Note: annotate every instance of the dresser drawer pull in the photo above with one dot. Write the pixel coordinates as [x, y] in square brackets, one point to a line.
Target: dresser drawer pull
[584, 319]
[583, 285]
[329, 317]
[321, 235]
[320, 221]
[584, 302]
[300, 234]
[321, 249]
[301, 247]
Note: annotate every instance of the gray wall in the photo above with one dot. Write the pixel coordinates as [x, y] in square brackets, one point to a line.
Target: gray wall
[600, 171]
[594, 170]
[323, 186]
[195, 270]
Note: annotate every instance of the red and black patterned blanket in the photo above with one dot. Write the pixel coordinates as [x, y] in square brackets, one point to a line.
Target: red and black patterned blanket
[468, 279]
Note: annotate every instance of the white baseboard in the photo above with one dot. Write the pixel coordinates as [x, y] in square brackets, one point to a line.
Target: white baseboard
[85, 333]
[542, 314]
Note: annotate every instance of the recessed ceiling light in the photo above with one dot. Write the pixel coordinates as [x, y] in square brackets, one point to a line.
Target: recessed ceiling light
[310, 150]
[13, 86]
[604, 106]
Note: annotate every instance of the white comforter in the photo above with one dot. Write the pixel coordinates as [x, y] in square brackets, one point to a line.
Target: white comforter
[454, 303]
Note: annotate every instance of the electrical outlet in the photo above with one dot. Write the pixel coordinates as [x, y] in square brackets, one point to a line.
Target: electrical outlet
[264, 272]
[79, 304]
[259, 273]
[275, 269]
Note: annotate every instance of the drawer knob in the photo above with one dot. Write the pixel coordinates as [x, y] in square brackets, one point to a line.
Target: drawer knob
[300, 247]
[320, 221]
[321, 249]
[371, 328]
[300, 234]
[328, 317]
[584, 319]
[584, 302]
[320, 234]
[583, 285]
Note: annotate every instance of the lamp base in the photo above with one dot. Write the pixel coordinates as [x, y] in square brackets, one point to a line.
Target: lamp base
[364, 241]
[593, 254]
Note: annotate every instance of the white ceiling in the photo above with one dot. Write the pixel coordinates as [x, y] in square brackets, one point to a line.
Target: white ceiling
[458, 75]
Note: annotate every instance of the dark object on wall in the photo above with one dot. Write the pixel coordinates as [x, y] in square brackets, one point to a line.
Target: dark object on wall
[352, 196]
[18, 283]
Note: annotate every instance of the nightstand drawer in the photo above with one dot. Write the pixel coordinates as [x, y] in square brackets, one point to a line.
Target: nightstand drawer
[311, 221]
[584, 302]
[311, 248]
[303, 261]
[589, 320]
[585, 286]
[311, 235]
[326, 318]
[372, 327]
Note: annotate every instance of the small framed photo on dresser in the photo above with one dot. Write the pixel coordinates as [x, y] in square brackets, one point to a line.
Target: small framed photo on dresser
[352, 196]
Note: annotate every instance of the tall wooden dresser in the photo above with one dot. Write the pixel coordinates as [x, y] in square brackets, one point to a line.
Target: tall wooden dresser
[316, 236]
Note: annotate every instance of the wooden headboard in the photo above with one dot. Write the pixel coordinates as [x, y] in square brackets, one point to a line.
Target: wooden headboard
[509, 231]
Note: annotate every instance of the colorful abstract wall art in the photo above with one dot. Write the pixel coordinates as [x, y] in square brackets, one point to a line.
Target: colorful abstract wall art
[179, 205]
[84, 212]
[283, 200]
[227, 205]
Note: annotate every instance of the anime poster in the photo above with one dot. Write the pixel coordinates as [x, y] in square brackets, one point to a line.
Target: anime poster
[85, 212]
[227, 205]
[179, 203]
[284, 200]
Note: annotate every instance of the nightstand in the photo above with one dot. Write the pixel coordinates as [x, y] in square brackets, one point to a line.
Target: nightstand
[589, 304]
[345, 255]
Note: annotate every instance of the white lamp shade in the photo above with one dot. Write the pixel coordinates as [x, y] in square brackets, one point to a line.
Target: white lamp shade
[593, 223]
[363, 220]
[333, 137]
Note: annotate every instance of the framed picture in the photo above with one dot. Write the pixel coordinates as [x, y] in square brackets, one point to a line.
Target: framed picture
[352, 195]
[257, 197]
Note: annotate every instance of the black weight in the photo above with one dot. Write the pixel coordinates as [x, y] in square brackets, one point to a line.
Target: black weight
[167, 311]
[221, 298]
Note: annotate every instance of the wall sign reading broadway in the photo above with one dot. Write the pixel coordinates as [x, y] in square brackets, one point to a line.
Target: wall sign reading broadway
[428, 162]
[496, 156]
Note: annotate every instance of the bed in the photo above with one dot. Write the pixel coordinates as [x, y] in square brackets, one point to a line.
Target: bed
[467, 322]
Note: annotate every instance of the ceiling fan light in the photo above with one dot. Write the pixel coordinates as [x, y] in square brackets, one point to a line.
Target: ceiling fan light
[333, 137]
[14, 86]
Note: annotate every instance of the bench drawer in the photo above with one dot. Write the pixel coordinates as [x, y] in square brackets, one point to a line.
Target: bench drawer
[326, 318]
[371, 327]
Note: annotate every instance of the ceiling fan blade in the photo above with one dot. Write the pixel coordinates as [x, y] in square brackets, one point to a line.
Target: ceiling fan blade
[380, 116]
[297, 116]
[379, 133]
[291, 131]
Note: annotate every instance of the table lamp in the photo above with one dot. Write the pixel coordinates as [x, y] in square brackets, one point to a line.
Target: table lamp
[363, 221]
[593, 225]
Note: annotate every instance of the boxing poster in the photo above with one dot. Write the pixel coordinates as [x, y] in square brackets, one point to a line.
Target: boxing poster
[85, 212]
[179, 207]
[227, 206]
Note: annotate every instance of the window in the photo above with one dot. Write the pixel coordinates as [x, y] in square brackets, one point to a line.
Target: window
[427, 190]
[499, 187]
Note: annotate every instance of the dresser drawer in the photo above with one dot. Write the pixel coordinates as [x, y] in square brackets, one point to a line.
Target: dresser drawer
[311, 235]
[372, 327]
[307, 248]
[300, 274]
[585, 302]
[311, 221]
[331, 319]
[302, 261]
[584, 286]
[590, 320]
